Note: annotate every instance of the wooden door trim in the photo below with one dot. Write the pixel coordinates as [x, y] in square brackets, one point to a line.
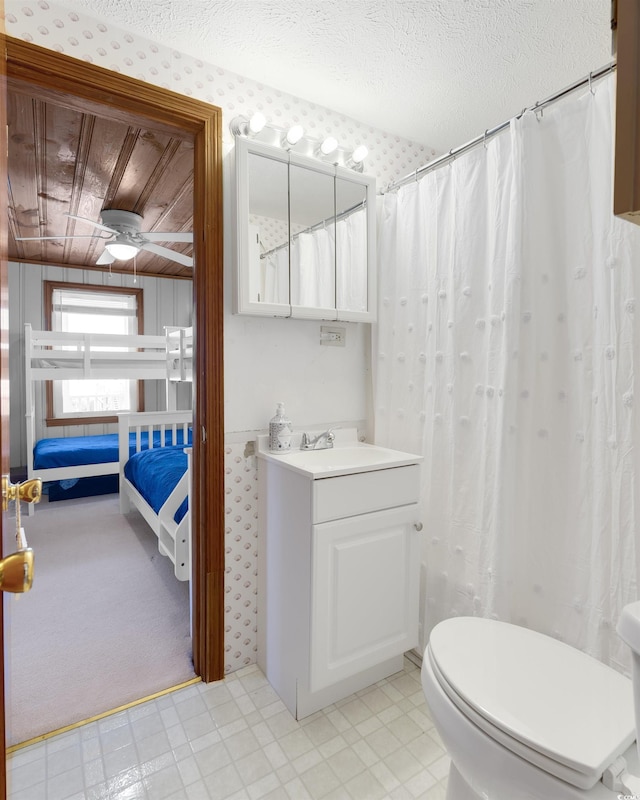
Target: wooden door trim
[626, 193]
[4, 385]
[120, 97]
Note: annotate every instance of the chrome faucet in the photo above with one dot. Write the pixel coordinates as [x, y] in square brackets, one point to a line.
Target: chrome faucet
[320, 442]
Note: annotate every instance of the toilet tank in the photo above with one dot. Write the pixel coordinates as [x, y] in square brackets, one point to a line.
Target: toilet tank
[629, 631]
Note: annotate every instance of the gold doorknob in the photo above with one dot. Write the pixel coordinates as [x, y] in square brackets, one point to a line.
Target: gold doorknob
[28, 492]
[16, 571]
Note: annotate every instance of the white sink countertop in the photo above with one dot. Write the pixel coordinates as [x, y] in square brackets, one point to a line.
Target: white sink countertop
[347, 456]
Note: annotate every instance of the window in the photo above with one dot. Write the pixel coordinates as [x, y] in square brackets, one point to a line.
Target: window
[78, 308]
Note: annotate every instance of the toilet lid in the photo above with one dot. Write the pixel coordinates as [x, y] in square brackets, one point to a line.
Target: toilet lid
[542, 693]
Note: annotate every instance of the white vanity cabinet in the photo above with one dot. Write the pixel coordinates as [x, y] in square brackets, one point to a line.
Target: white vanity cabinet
[338, 576]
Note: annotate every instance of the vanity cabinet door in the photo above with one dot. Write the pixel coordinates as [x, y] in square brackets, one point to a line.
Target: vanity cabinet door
[364, 593]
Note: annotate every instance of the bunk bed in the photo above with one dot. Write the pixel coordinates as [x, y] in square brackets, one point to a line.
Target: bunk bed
[51, 355]
[179, 349]
[156, 479]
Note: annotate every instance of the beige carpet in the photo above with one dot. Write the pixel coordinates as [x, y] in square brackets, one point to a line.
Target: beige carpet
[105, 623]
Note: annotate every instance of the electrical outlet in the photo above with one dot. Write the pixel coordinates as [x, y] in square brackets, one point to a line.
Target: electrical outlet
[333, 336]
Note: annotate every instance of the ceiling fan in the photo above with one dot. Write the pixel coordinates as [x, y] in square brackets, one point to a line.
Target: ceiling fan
[125, 239]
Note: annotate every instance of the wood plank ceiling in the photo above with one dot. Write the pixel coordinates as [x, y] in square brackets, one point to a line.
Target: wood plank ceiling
[65, 160]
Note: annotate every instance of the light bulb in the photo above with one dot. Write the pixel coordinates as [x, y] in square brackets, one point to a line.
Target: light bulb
[359, 154]
[294, 134]
[328, 145]
[257, 122]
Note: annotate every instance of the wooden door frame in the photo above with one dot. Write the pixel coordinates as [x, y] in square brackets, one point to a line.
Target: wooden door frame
[82, 85]
[626, 184]
[4, 382]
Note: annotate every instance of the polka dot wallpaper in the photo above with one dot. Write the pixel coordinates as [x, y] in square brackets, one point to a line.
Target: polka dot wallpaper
[390, 157]
[241, 558]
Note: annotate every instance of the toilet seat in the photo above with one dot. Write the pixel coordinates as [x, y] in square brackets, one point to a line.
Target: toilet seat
[551, 704]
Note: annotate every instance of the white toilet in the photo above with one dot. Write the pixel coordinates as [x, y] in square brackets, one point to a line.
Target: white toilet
[526, 717]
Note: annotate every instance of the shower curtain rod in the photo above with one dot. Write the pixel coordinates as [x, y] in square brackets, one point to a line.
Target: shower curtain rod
[489, 133]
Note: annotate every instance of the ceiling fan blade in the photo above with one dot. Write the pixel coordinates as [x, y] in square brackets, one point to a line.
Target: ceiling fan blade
[92, 222]
[43, 238]
[166, 253]
[105, 258]
[159, 236]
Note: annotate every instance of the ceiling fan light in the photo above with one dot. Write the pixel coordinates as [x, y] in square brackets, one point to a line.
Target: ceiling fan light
[122, 251]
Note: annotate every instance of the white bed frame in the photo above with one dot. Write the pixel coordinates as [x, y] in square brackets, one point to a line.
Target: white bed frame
[174, 539]
[166, 357]
[179, 349]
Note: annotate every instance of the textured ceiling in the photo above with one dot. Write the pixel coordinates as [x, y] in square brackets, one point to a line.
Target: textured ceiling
[438, 72]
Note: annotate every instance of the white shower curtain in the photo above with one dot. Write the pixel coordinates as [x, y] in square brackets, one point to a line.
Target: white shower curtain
[505, 353]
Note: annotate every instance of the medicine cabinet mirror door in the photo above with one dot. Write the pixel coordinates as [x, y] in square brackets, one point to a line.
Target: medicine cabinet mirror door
[355, 249]
[313, 241]
[262, 275]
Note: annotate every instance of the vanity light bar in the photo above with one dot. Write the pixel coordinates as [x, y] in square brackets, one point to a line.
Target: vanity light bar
[287, 138]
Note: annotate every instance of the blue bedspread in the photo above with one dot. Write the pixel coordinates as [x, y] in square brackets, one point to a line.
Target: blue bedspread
[72, 451]
[155, 473]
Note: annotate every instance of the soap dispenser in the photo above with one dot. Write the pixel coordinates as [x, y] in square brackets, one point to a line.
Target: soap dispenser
[280, 431]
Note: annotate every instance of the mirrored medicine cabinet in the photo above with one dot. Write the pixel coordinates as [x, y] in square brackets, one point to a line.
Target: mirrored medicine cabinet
[306, 237]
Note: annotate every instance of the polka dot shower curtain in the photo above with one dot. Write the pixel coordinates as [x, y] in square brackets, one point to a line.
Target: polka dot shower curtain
[505, 353]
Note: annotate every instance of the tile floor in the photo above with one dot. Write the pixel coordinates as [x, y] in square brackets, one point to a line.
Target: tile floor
[236, 740]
